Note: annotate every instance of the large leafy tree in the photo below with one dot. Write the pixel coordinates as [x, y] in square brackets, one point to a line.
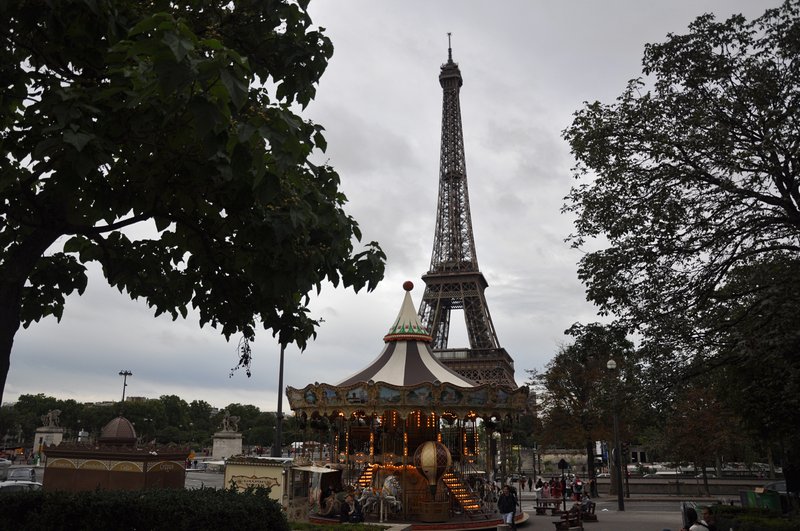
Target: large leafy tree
[160, 139]
[576, 387]
[694, 174]
[692, 177]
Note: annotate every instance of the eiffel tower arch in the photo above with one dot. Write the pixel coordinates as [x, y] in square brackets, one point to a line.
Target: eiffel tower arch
[454, 281]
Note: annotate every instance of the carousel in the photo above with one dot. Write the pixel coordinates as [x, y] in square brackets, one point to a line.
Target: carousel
[415, 441]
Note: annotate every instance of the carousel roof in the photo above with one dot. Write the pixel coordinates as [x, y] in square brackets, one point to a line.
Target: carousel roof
[407, 377]
[407, 358]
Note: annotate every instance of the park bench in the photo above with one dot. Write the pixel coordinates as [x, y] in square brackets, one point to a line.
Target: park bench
[543, 504]
[587, 511]
[570, 520]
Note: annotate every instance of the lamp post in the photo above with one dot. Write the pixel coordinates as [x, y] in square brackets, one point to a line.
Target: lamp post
[612, 367]
[276, 447]
[124, 374]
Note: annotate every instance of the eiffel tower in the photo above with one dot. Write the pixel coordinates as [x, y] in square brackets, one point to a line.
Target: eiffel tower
[454, 281]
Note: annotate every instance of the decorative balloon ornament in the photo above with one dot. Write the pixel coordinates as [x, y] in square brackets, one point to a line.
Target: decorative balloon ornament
[432, 459]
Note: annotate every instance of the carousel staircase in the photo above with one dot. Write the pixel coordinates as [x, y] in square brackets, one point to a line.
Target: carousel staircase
[469, 502]
[365, 479]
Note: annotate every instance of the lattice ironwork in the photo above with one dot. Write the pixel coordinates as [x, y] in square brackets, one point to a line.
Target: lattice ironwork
[454, 281]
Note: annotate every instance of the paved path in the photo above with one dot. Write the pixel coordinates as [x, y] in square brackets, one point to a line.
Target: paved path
[644, 513]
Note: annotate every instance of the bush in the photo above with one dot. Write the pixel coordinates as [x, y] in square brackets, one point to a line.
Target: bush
[752, 519]
[173, 509]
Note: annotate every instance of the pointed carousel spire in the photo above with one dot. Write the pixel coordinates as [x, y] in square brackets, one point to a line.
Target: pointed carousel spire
[407, 326]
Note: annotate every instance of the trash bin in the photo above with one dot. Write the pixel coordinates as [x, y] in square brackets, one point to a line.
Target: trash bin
[768, 499]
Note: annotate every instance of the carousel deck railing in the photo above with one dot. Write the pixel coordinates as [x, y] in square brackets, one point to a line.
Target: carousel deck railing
[464, 496]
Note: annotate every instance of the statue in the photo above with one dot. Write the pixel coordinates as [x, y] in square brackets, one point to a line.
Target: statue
[51, 418]
[230, 422]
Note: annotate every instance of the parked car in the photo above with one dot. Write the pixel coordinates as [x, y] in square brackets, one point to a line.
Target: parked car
[19, 486]
[22, 474]
[5, 464]
[777, 486]
[604, 475]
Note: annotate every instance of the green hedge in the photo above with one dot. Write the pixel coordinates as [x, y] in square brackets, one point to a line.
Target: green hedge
[173, 509]
[752, 519]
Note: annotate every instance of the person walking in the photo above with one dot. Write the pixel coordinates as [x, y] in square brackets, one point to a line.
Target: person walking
[507, 506]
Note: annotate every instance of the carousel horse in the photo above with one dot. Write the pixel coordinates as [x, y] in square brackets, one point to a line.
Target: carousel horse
[391, 494]
[368, 500]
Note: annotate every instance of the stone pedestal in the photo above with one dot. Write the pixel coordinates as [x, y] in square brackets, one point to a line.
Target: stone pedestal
[226, 444]
[45, 436]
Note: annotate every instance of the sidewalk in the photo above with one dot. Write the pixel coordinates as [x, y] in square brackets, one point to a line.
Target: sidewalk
[635, 518]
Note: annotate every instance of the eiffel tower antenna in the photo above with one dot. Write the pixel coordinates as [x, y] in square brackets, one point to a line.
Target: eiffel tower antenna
[449, 49]
[454, 281]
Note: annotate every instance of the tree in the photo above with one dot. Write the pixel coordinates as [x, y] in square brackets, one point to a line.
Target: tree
[696, 172]
[699, 429]
[200, 415]
[159, 140]
[693, 182]
[176, 410]
[576, 386]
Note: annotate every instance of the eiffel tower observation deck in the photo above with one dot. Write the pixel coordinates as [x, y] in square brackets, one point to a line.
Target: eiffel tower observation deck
[454, 281]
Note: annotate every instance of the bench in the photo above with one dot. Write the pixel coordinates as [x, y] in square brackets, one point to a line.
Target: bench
[570, 520]
[587, 512]
[542, 504]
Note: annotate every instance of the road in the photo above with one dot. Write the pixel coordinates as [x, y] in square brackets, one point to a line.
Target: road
[196, 479]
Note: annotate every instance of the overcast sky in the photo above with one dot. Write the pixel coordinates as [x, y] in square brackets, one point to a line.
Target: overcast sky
[527, 66]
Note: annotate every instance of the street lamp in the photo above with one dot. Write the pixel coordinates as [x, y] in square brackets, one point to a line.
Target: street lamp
[277, 445]
[124, 374]
[612, 367]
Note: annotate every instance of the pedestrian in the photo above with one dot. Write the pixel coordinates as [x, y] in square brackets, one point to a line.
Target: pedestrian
[507, 506]
[577, 488]
[708, 518]
[692, 522]
[530, 483]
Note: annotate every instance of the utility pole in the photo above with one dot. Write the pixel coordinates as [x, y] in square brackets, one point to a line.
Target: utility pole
[124, 374]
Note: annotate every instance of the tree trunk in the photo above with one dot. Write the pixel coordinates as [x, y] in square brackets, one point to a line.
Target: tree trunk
[589, 458]
[14, 272]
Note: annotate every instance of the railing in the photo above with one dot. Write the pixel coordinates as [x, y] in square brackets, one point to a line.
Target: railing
[485, 353]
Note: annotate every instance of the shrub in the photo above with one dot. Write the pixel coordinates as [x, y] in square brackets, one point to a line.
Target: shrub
[173, 509]
[752, 519]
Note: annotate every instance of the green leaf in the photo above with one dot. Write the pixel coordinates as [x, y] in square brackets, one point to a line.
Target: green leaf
[149, 24]
[75, 244]
[236, 88]
[76, 139]
[178, 45]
